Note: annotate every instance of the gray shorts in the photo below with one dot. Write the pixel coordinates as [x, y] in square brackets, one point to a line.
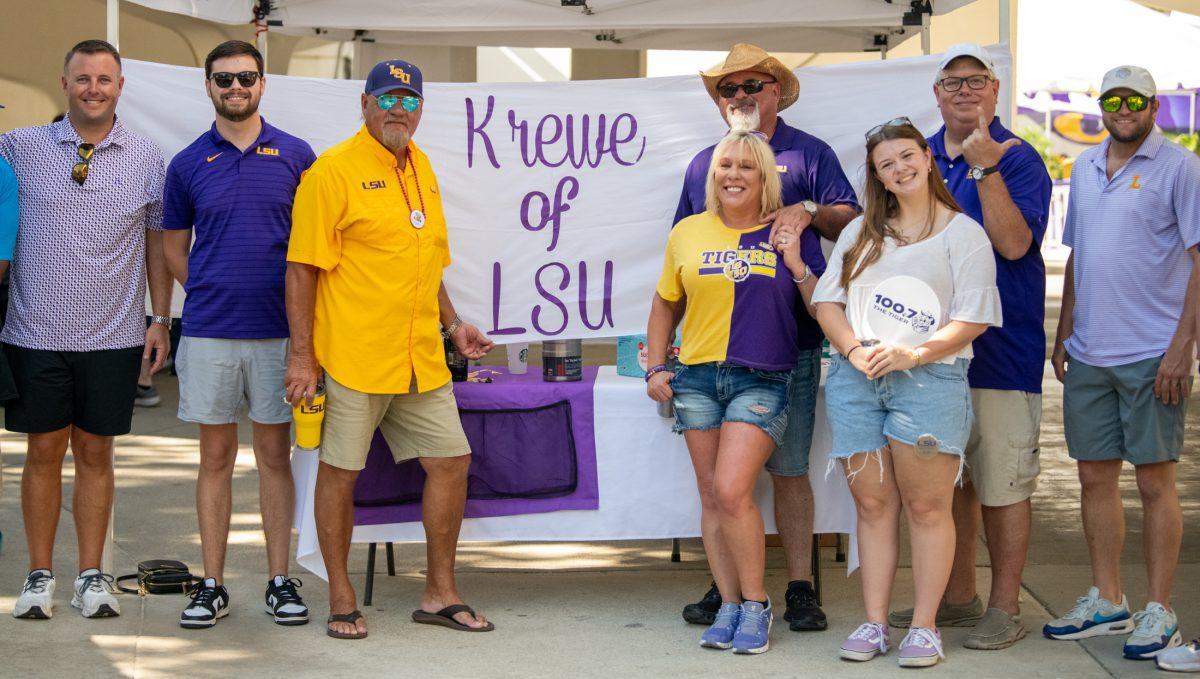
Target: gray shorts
[1111, 414]
[218, 376]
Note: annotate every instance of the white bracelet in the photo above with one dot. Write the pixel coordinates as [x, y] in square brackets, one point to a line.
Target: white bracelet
[804, 279]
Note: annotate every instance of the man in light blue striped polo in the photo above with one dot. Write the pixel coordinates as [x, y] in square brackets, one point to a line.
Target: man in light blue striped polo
[234, 187]
[1124, 351]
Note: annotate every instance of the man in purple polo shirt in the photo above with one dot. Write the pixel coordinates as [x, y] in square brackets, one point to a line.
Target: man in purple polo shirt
[234, 186]
[1002, 184]
[89, 237]
[750, 88]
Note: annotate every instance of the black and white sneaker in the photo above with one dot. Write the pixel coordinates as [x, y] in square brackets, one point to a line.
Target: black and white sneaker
[36, 600]
[210, 603]
[284, 602]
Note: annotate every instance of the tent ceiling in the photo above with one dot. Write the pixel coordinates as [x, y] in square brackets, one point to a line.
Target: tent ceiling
[778, 25]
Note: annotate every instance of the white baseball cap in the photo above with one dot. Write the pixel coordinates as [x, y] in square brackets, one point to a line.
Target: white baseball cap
[967, 49]
[1135, 78]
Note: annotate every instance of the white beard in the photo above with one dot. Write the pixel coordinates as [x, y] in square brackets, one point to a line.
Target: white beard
[743, 122]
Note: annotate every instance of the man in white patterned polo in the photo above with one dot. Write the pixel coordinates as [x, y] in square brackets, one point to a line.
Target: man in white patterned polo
[89, 235]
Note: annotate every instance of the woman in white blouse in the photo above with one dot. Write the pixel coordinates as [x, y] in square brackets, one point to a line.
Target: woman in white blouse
[909, 285]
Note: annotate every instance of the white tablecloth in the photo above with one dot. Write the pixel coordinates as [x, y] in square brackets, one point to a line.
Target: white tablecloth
[647, 487]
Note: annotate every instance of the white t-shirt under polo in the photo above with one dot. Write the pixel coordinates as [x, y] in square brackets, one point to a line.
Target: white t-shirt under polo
[1129, 237]
[956, 263]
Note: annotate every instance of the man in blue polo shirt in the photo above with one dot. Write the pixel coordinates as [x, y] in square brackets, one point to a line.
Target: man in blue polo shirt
[234, 186]
[1002, 184]
[750, 88]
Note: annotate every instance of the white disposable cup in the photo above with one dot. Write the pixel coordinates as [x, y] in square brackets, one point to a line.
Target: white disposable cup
[518, 358]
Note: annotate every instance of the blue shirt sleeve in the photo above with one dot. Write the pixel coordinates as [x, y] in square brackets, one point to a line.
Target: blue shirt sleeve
[829, 183]
[1186, 197]
[178, 211]
[1029, 186]
[8, 210]
[691, 177]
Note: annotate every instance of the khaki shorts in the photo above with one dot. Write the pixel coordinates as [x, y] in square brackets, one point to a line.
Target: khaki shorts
[414, 425]
[1002, 452]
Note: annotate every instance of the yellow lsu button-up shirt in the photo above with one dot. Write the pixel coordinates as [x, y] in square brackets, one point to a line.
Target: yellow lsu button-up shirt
[376, 324]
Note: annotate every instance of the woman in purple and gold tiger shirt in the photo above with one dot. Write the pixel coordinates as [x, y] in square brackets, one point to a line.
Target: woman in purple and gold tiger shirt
[739, 284]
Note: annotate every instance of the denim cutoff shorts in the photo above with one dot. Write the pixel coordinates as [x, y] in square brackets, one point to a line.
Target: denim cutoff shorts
[710, 394]
[903, 405]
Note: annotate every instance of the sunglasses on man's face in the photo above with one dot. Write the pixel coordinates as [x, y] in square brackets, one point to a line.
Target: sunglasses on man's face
[387, 101]
[245, 78]
[894, 122]
[954, 84]
[79, 172]
[1136, 103]
[752, 86]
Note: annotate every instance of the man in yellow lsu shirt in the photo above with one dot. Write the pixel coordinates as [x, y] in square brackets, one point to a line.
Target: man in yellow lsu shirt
[365, 301]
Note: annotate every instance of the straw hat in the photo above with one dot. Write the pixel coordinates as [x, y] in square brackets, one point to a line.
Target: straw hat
[745, 57]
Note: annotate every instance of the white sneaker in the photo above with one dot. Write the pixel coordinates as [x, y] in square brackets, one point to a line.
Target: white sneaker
[1157, 631]
[93, 595]
[1092, 616]
[37, 596]
[1185, 658]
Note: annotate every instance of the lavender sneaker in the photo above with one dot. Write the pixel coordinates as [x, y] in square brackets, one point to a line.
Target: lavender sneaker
[754, 629]
[922, 647]
[869, 640]
[720, 633]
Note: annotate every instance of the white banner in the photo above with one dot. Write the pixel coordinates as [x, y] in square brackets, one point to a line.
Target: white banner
[558, 196]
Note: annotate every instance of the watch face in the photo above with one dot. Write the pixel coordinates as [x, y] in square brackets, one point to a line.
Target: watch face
[977, 173]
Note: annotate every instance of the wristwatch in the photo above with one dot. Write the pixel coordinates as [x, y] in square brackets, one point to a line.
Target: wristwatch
[979, 172]
[162, 320]
[810, 207]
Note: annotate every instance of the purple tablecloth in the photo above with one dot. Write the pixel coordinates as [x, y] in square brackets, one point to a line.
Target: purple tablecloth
[533, 449]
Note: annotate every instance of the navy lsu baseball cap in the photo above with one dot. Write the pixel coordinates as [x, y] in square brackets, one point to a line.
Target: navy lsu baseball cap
[394, 74]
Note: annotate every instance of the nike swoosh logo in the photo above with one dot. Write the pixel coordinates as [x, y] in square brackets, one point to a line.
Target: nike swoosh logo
[214, 156]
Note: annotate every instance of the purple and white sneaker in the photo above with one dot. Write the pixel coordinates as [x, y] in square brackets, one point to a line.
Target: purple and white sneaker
[720, 633]
[869, 640]
[922, 647]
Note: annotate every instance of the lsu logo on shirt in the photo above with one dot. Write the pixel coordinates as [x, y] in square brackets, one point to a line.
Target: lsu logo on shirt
[267, 151]
[374, 184]
[738, 265]
[1135, 184]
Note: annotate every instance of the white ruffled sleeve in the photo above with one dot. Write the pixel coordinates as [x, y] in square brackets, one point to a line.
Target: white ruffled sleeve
[976, 298]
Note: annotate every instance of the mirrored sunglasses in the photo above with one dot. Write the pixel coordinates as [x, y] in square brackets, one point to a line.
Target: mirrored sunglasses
[1134, 102]
[408, 103]
[79, 172]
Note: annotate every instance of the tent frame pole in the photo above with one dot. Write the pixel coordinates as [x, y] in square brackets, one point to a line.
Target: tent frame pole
[112, 14]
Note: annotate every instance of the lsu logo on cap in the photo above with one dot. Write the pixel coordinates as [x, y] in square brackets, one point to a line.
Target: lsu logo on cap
[399, 74]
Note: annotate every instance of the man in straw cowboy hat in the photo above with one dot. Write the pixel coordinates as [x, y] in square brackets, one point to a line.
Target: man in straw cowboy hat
[750, 88]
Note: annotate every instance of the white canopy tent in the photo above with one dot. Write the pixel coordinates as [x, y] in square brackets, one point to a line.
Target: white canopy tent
[775, 25]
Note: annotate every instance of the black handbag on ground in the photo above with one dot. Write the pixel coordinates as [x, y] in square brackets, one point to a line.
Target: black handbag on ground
[159, 576]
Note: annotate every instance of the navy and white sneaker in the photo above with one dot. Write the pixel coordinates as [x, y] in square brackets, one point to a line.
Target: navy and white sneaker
[284, 602]
[37, 596]
[1157, 631]
[754, 628]
[209, 603]
[1184, 658]
[94, 596]
[1092, 616]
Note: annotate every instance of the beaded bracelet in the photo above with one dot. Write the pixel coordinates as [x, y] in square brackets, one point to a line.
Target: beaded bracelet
[660, 368]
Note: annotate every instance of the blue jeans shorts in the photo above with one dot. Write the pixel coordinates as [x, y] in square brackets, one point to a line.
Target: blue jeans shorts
[791, 457]
[931, 399]
[710, 394]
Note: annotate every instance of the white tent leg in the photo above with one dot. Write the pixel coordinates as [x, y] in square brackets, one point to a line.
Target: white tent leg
[1008, 13]
[925, 40]
[113, 24]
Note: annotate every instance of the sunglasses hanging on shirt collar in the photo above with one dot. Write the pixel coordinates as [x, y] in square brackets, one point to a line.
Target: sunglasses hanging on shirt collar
[79, 172]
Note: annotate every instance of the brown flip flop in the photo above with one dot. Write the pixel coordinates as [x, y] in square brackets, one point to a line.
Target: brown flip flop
[352, 618]
[445, 618]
